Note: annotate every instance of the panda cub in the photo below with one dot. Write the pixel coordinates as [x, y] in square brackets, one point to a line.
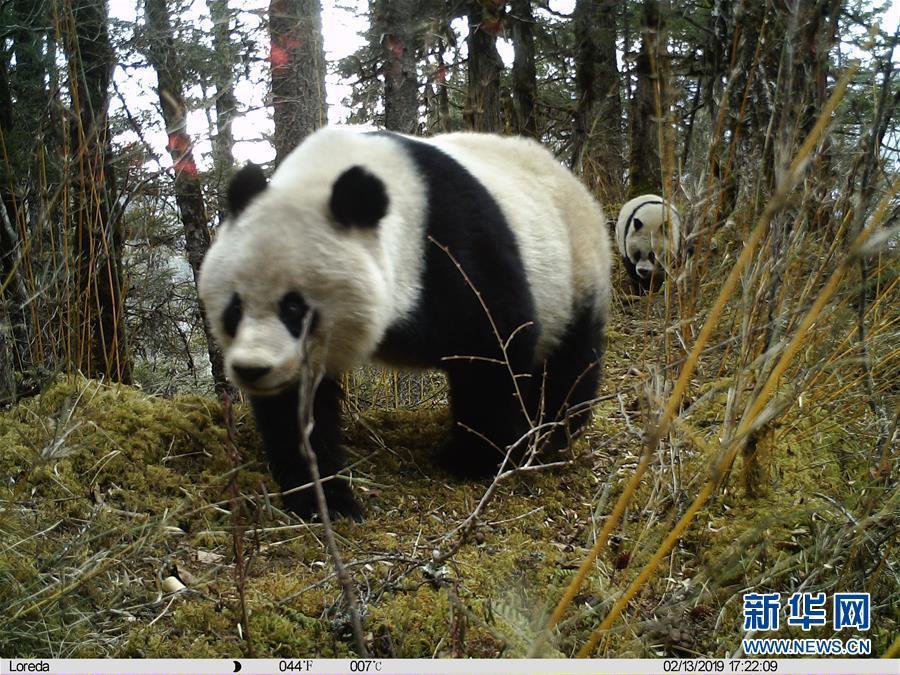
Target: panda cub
[647, 231]
[475, 254]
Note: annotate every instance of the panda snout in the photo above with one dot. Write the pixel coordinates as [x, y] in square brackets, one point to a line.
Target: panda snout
[250, 374]
[644, 271]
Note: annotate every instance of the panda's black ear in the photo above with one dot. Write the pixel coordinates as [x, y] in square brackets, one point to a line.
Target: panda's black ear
[358, 198]
[638, 224]
[244, 186]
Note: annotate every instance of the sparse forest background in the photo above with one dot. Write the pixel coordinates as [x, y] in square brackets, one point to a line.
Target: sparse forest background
[746, 429]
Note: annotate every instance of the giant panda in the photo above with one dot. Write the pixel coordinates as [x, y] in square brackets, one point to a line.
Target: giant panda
[647, 234]
[476, 254]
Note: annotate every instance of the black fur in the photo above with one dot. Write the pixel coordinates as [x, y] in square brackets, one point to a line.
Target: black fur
[450, 325]
[358, 198]
[292, 309]
[569, 379]
[232, 315]
[246, 184]
[276, 419]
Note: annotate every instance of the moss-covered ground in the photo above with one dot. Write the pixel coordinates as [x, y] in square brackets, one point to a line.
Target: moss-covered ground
[108, 493]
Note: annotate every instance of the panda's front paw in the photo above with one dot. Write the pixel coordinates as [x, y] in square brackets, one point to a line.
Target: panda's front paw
[341, 501]
[338, 497]
[466, 456]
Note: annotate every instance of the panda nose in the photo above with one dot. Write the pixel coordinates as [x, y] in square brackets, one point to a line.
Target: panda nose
[250, 374]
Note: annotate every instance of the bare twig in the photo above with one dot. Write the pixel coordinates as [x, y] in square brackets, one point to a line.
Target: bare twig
[309, 382]
[241, 564]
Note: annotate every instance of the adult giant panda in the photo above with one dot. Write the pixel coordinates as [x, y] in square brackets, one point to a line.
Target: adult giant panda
[647, 231]
[475, 254]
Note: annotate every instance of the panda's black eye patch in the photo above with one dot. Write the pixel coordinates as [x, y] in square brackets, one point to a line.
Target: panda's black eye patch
[231, 317]
[292, 309]
[651, 257]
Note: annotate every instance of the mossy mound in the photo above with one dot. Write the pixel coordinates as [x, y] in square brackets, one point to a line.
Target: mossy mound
[106, 485]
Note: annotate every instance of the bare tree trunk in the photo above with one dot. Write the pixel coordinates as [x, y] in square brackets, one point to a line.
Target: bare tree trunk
[483, 93]
[645, 166]
[188, 188]
[442, 95]
[23, 127]
[818, 34]
[396, 22]
[226, 103]
[746, 124]
[523, 71]
[298, 72]
[12, 288]
[598, 140]
[716, 54]
[8, 393]
[101, 348]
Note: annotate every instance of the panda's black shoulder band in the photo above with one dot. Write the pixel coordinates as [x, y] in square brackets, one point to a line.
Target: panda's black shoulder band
[631, 216]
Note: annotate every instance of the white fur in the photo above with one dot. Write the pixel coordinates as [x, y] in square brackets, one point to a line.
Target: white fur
[660, 233]
[360, 281]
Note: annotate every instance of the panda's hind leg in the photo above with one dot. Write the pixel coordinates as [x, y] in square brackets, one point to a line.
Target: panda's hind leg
[487, 418]
[489, 406]
[565, 384]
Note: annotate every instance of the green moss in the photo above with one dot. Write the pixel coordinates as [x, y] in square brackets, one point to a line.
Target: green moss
[415, 622]
[195, 628]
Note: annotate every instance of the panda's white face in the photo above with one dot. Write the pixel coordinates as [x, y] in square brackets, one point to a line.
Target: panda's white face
[645, 247]
[334, 239]
[258, 289]
[284, 261]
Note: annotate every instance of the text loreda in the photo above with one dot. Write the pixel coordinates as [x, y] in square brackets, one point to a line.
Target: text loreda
[29, 667]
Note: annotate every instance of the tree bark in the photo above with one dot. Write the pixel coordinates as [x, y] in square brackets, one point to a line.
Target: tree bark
[523, 71]
[28, 82]
[101, 345]
[12, 287]
[597, 140]
[188, 188]
[818, 34]
[716, 53]
[297, 61]
[226, 103]
[396, 22]
[645, 167]
[23, 126]
[483, 92]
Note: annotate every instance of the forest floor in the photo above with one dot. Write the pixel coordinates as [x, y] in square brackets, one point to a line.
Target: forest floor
[111, 492]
